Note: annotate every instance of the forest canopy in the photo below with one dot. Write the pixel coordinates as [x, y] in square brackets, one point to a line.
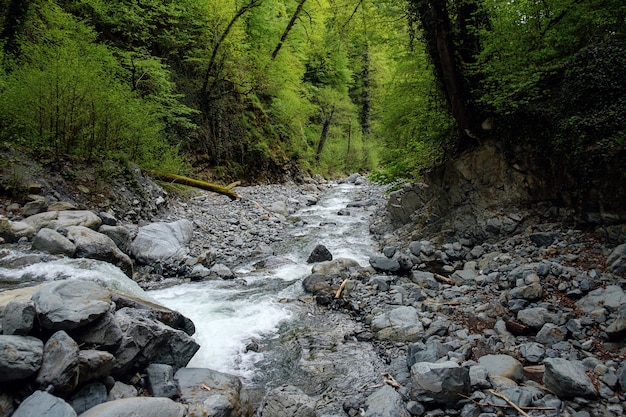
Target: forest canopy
[254, 89]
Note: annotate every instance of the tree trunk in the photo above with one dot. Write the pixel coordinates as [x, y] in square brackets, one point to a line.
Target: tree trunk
[292, 21]
[324, 134]
[178, 179]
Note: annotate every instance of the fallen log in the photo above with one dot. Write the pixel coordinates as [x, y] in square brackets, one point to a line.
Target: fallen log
[203, 185]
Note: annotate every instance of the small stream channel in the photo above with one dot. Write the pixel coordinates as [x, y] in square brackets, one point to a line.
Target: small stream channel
[265, 329]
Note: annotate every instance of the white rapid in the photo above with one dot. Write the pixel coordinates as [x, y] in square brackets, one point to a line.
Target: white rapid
[258, 305]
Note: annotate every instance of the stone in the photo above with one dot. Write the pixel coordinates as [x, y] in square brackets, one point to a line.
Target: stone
[336, 266]
[64, 305]
[66, 218]
[60, 364]
[616, 262]
[319, 254]
[18, 317]
[20, 357]
[6, 405]
[400, 324]
[532, 292]
[121, 390]
[160, 242]
[534, 317]
[318, 283]
[384, 264]
[94, 364]
[38, 205]
[439, 383]
[137, 407]
[104, 333]
[120, 235]
[93, 245]
[11, 231]
[286, 401]
[611, 298]
[550, 334]
[431, 351]
[226, 396]
[533, 352]
[42, 404]
[479, 377]
[88, 397]
[502, 365]
[279, 207]
[542, 238]
[148, 341]
[160, 378]
[221, 271]
[567, 379]
[53, 242]
[107, 219]
[386, 402]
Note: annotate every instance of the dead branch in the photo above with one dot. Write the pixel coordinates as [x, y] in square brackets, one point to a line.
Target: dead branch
[178, 179]
[443, 279]
[341, 287]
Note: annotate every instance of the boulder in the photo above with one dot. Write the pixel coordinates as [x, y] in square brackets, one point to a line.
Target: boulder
[104, 333]
[94, 365]
[121, 390]
[60, 364]
[120, 235]
[137, 407]
[37, 205]
[542, 238]
[53, 242]
[386, 402]
[550, 334]
[88, 397]
[534, 317]
[160, 378]
[160, 242]
[42, 404]
[319, 254]
[65, 218]
[616, 262]
[611, 298]
[287, 401]
[64, 305]
[502, 365]
[439, 383]
[18, 317]
[221, 271]
[93, 245]
[20, 357]
[279, 207]
[13, 231]
[225, 396]
[318, 283]
[148, 341]
[567, 379]
[431, 351]
[400, 325]
[384, 264]
[336, 266]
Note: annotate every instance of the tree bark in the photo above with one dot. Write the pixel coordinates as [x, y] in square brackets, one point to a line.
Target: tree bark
[178, 179]
[292, 22]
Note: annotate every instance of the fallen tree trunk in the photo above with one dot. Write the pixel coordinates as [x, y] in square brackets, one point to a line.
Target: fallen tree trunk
[203, 185]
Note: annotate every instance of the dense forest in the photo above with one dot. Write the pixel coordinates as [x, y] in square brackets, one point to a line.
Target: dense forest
[253, 88]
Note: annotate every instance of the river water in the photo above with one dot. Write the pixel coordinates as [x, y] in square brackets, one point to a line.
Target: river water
[295, 341]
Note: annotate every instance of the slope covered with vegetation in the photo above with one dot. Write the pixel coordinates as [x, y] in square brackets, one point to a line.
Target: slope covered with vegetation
[254, 89]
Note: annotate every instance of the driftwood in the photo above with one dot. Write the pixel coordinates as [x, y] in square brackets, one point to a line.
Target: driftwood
[509, 404]
[443, 279]
[341, 287]
[203, 185]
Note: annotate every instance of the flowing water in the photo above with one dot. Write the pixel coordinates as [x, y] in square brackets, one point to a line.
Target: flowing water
[295, 342]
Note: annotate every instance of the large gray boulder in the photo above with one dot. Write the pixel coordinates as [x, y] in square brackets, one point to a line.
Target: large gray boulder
[611, 298]
[386, 402]
[60, 364]
[616, 262]
[160, 378]
[336, 266]
[18, 317]
[88, 396]
[94, 364]
[13, 231]
[225, 395]
[104, 333]
[93, 245]
[118, 234]
[161, 242]
[64, 305]
[502, 365]
[148, 341]
[384, 264]
[319, 254]
[400, 324]
[42, 404]
[287, 401]
[20, 357]
[53, 242]
[439, 383]
[137, 407]
[567, 379]
[65, 218]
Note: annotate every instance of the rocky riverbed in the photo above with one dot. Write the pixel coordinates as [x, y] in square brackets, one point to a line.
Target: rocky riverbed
[529, 322]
